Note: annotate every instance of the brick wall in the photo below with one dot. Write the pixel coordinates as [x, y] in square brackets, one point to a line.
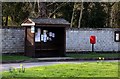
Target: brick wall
[76, 40]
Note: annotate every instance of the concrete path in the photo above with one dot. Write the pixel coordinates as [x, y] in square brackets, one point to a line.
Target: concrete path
[4, 67]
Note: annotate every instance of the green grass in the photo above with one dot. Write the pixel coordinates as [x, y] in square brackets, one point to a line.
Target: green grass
[84, 69]
[13, 57]
[90, 55]
[94, 55]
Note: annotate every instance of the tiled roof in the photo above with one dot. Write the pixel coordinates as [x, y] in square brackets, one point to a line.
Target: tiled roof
[49, 21]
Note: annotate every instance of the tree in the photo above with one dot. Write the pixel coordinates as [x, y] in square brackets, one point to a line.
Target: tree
[79, 14]
[56, 9]
[78, 8]
[97, 17]
[5, 11]
[15, 11]
[42, 9]
[80, 17]
[115, 15]
[73, 13]
[109, 13]
[94, 15]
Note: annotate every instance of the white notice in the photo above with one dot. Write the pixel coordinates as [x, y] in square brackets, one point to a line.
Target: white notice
[45, 38]
[50, 34]
[53, 35]
[37, 36]
[42, 38]
[32, 29]
[117, 36]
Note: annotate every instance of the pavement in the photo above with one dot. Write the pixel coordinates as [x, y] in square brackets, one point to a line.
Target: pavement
[56, 59]
[5, 67]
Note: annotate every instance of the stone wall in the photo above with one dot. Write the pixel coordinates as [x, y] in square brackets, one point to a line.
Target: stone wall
[0, 40]
[78, 39]
[12, 40]
[119, 47]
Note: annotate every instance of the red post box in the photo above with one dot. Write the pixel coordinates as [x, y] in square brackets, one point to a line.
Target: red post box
[92, 39]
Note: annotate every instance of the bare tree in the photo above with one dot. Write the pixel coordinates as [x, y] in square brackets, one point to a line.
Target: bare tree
[72, 15]
[109, 20]
[61, 5]
[80, 18]
[42, 9]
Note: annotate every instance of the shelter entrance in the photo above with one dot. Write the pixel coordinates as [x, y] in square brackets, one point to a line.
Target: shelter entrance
[48, 41]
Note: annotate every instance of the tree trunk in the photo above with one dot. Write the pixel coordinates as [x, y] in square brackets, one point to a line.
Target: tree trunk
[109, 20]
[109, 17]
[42, 9]
[72, 15]
[80, 18]
[6, 22]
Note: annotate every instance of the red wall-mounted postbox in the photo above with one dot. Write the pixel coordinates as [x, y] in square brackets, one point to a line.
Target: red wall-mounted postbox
[92, 39]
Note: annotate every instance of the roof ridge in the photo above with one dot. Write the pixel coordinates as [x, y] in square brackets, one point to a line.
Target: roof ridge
[48, 21]
[46, 18]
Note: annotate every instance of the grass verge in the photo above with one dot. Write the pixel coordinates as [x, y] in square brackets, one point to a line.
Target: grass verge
[14, 57]
[84, 69]
[81, 56]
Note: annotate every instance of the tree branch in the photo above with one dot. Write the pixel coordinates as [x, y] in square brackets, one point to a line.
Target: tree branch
[50, 4]
[61, 5]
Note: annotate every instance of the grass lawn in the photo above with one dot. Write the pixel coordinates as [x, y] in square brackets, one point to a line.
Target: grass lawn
[83, 69]
[94, 55]
[13, 57]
